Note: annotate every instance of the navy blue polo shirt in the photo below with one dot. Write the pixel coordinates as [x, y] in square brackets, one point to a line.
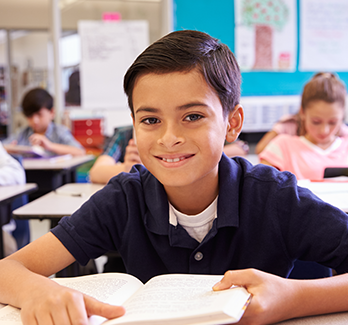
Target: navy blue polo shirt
[264, 221]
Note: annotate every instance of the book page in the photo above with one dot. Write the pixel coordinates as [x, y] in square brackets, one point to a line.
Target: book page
[169, 297]
[113, 288]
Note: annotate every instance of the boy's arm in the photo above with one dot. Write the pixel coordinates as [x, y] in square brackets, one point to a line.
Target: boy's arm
[238, 148]
[23, 284]
[105, 166]
[265, 140]
[275, 299]
[59, 149]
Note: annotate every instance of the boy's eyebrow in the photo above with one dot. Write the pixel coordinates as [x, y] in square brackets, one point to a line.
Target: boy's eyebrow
[181, 107]
[193, 104]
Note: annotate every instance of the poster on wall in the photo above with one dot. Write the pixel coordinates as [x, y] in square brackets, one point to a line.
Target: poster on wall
[266, 35]
[107, 51]
[323, 35]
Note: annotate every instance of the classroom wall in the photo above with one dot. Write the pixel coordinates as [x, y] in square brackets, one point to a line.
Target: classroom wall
[217, 19]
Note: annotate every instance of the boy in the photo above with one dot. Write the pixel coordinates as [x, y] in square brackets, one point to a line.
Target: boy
[191, 209]
[38, 109]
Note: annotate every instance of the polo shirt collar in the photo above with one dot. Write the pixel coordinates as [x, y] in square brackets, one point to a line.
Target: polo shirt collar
[156, 217]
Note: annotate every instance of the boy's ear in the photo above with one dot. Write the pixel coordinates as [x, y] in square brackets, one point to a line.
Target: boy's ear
[234, 123]
[53, 112]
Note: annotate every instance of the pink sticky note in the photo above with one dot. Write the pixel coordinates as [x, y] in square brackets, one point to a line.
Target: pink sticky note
[114, 16]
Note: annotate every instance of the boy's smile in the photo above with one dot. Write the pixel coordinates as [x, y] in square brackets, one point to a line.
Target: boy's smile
[180, 131]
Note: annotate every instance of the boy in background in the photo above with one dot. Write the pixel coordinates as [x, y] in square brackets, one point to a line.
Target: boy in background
[189, 208]
[38, 109]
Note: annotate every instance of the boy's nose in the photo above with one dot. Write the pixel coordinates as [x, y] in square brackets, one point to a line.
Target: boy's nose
[170, 137]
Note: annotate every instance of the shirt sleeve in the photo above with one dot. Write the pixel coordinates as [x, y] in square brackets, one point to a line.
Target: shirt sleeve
[286, 127]
[11, 171]
[65, 137]
[22, 137]
[273, 153]
[116, 146]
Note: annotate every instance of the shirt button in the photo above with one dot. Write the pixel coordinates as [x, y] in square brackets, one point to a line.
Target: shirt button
[198, 256]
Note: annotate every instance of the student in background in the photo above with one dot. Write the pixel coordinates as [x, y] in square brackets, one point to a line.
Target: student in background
[189, 208]
[121, 153]
[56, 139]
[321, 114]
[292, 125]
[12, 173]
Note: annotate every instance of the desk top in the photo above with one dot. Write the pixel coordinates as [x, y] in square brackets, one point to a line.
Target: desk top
[12, 191]
[64, 201]
[56, 163]
[335, 193]
[329, 319]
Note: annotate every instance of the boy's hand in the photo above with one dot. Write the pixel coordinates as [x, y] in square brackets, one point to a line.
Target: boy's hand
[272, 296]
[65, 306]
[131, 156]
[40, 140]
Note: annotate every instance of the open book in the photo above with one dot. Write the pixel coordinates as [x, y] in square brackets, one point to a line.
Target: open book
[165, 299]
[26, 151]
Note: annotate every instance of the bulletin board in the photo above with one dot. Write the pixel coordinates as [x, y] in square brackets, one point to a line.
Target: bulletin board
[218, 19]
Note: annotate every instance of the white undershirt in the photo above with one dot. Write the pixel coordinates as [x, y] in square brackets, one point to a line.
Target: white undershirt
[198, 225]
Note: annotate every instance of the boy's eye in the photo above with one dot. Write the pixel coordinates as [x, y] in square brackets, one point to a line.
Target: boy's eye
[150, 120]
[193, 117]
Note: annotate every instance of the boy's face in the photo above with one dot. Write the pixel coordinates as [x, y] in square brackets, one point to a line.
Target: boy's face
[180, 129]
[40, 120]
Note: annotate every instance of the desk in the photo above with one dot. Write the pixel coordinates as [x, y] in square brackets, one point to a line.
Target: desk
[50, 173]
[64, 201]
[329, 319]
[335, 193]
[7, 195]
[253, 158]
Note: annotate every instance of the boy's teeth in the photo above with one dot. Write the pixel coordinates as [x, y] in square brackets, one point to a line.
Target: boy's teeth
[171, 160]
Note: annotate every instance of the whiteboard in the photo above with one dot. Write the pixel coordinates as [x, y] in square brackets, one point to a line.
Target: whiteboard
[108, 48]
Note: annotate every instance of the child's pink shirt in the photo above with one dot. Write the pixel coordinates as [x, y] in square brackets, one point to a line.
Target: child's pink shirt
[303, 158]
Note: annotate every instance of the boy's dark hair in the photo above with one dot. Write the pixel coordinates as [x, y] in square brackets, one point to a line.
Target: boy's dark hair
[324, 86]
[183, 51]
[34, 100]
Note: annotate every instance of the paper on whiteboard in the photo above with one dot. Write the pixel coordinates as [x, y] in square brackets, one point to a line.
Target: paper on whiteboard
[323, 35]
[107, 51]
